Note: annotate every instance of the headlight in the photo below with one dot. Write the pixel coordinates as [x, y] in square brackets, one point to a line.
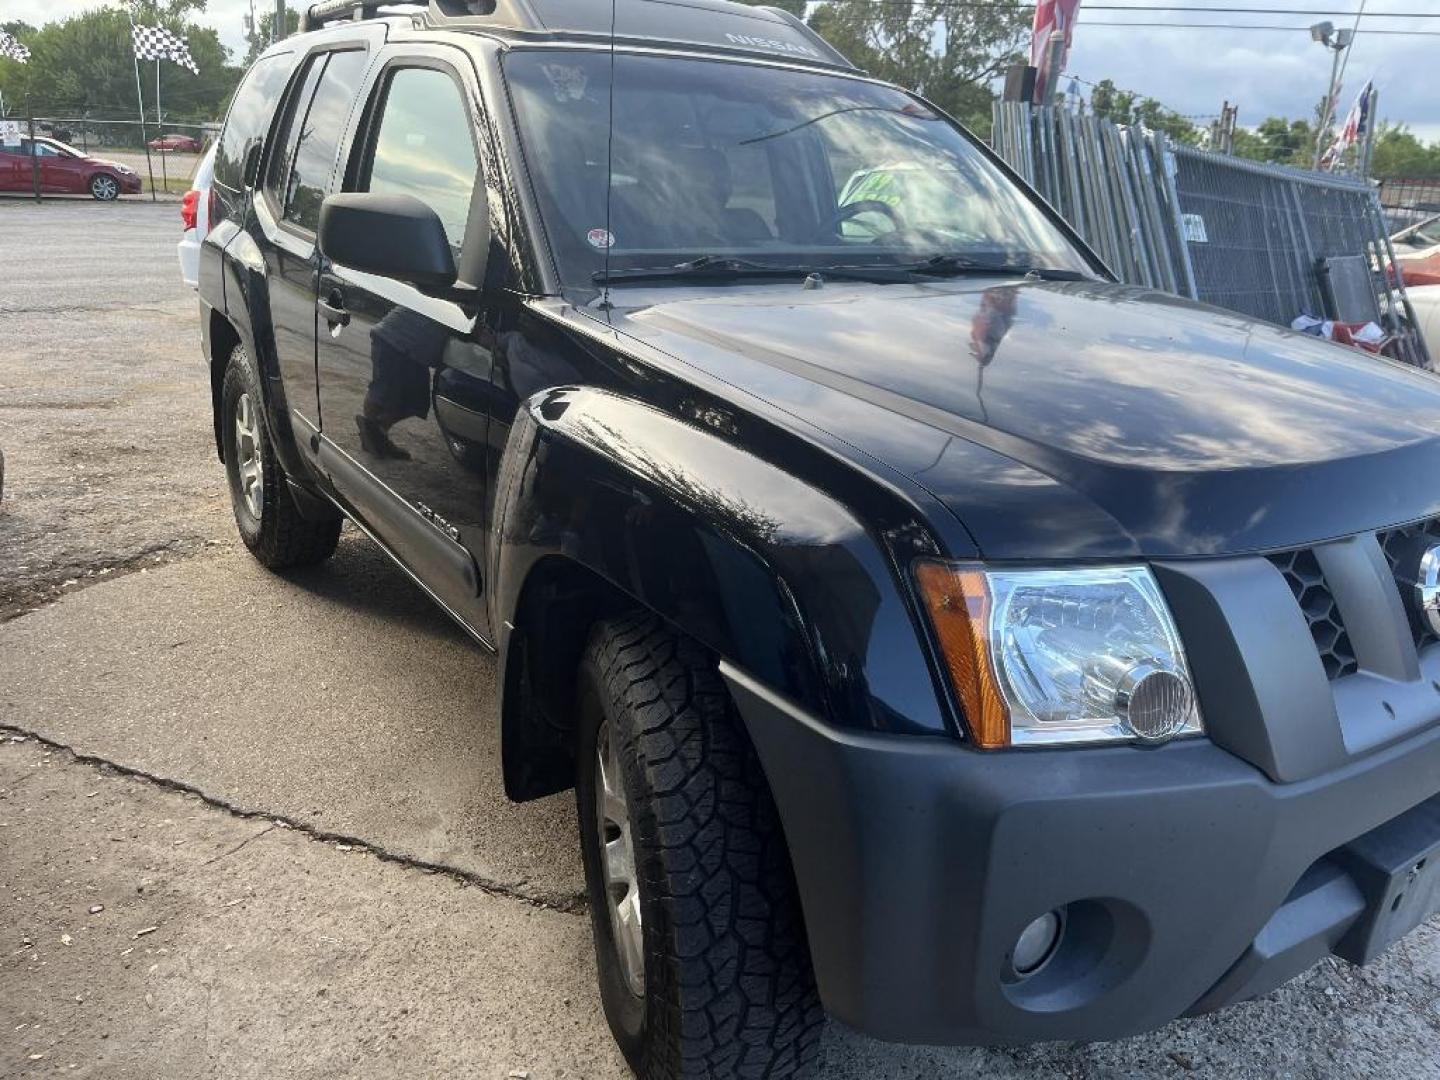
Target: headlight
[1060, 656]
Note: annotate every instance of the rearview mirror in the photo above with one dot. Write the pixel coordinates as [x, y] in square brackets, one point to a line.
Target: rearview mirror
[394, 236]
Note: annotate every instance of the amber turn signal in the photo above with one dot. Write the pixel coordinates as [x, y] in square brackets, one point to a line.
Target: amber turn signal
[957, 601]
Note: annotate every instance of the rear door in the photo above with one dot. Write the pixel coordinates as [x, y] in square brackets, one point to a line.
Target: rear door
[405, 377]
[298, 175]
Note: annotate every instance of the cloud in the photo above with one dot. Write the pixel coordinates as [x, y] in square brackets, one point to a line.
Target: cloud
[1268, 73]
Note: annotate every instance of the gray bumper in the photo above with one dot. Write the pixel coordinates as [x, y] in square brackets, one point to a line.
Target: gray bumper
[1191, 878]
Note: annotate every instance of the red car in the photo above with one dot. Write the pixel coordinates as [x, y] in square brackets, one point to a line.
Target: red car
[64, 170]
[186, 143]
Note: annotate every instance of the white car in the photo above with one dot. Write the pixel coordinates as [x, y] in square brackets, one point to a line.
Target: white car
[195, 213]
[1426, 301]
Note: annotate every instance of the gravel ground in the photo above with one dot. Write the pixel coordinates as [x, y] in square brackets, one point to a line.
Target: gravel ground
[101, 387]
[407, 920]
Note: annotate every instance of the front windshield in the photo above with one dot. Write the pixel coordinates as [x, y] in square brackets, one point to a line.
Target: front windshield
[769, 165]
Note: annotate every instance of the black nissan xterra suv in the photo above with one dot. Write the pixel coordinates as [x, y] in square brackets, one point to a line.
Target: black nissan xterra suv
[937, 634]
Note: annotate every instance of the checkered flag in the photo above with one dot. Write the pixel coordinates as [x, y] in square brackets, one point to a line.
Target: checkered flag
[157, 43]
[12, 49]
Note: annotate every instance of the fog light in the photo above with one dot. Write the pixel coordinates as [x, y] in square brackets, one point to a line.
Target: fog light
[1036, 943]
[1154, 702]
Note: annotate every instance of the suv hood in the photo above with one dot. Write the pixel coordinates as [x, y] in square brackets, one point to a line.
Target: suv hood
[1064, 420]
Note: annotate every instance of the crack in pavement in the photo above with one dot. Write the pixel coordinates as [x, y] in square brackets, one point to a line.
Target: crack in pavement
[253, 836]
[44, 591]
[566, 903]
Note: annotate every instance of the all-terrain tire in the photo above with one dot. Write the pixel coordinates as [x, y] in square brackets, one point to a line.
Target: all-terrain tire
[278, 535]
[728, 987]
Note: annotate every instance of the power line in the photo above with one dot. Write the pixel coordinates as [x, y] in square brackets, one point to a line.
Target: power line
[1004, 5]
[1249, 26]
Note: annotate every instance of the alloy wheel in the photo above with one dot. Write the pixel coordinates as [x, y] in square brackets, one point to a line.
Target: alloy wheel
[249, 465]
[617, 855]
[104, 188]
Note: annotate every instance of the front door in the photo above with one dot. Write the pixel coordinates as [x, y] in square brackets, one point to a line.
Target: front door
[404, 376]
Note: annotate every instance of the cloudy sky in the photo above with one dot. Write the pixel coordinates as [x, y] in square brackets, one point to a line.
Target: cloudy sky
[1267, 72]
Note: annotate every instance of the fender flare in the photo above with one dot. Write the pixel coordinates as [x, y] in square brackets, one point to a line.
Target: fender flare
[774, 576]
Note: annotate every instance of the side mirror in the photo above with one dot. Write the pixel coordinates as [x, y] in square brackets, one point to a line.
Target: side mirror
[394, 236]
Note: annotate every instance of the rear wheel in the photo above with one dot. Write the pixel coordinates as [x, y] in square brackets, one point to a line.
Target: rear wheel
[270, 524]
[105, 187]
[703, 964]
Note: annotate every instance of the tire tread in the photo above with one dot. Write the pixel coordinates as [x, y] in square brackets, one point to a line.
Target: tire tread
[734, 994]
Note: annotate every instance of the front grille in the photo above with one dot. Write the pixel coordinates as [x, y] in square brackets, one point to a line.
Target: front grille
[1332, 642]
[1400, 544]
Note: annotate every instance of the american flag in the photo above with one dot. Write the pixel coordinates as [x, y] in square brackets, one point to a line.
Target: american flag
[1357, 124]
[12, 49]
[157, 43]
[1052, 17]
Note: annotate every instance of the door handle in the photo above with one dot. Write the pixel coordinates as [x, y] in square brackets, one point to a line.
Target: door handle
[333, 308]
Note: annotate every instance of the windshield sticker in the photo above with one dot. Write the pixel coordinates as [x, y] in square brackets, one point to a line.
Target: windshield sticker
[567, 81]
[600, 238]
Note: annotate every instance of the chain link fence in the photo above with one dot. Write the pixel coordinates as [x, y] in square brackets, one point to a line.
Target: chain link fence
[1268, 241]
[1409, 202]
[165, 155]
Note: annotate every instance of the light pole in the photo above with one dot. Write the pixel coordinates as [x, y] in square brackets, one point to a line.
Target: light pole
[1337, 41]
[281, 26]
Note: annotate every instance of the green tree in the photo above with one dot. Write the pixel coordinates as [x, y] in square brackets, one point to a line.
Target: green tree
[85, 63]
[1278, 141]
[259, 37]
[1399, 154]
[945, 51]
[1109, 102]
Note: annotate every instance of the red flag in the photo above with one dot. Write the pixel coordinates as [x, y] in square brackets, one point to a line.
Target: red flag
[1053, 18]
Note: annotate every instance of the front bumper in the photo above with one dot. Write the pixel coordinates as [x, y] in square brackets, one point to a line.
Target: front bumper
[130, 184]
[1190, 878]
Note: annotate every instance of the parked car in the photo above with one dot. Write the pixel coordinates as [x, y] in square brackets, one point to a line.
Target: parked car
[1426, 301]
[1417, 250]
[187, 144]
[933, 631]
[64, 170]
[195, 216]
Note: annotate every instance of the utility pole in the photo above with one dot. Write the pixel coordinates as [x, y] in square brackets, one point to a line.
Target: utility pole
[282, 26]
[1337, 41]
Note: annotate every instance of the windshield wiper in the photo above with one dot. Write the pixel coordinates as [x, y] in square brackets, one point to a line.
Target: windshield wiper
[956, 265]
[706, 266]
[729, 268]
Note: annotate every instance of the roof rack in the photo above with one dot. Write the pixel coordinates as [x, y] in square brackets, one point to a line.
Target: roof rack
[718, 25]
[329, 11]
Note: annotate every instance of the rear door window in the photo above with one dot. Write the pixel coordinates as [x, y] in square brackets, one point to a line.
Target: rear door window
[316, 140]
[291, 126]
[249, 118]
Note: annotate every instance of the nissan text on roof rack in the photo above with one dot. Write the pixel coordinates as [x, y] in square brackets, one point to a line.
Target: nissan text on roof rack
[935, 633]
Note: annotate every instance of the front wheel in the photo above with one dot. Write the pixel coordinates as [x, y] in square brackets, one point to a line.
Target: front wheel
[270, 523]
[105, 188]
[703, 963]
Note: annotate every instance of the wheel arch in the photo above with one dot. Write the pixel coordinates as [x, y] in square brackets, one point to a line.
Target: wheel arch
[605, 503]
